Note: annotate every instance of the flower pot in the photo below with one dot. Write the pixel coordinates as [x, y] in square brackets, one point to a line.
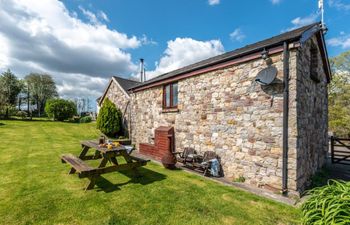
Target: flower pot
[169, 161]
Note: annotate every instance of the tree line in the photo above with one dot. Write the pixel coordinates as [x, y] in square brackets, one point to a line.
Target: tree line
[33, 89]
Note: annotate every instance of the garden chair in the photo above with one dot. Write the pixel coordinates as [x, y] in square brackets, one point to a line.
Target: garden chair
[205, 163]
[186, 156]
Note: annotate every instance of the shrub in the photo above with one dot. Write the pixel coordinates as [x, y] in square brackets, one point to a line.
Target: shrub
[85, 119]
[328, 205]
[22, 114]
[8, 110]
[60, 109]
[108, 120]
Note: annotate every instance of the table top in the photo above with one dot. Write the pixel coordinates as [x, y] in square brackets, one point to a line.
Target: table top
[94, 144]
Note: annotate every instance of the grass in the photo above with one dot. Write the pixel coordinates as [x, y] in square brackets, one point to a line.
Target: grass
[36, 189]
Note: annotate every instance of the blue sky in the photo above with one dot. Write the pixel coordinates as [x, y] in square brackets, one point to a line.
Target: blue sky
[81, 43]
[164, 20]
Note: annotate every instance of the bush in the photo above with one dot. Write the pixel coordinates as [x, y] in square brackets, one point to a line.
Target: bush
[60, 109]
[85, 119]
[22, 114]
[328, 205]
[8, 110]
[109, 119]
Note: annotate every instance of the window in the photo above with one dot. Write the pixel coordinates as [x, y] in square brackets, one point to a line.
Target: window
[170, 96]
[314, 64]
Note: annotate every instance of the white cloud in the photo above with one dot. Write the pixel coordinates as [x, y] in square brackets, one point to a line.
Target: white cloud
[185, 51]
[96, 19]
[43, 36]
[67, 85]
[3, 53]
[89, 15]
[146, 41]
[213, 2]
[237, 35]
[275, 2]
[338, 4]
[342, 41]
[103, 16]
[302, 21]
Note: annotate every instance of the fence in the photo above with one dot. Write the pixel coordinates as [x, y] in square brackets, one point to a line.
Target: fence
[340, 150]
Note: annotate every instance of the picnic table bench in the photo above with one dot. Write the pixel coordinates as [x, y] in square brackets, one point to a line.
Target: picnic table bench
[79, 165]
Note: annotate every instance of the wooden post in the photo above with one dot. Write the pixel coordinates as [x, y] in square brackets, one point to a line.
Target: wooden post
[332, 149]
[92, 181]
[71, 171]
[83, 152]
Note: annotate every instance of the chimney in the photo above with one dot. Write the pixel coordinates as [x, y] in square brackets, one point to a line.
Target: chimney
[142, 70]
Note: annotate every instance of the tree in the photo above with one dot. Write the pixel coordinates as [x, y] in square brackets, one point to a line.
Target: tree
[60, 109]
[21, 97]
[339, 95]
[108, 120]
[41, 88]
[10, 87]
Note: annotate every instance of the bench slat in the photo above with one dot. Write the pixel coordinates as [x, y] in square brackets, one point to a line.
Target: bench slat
[139, 159]
[78, 164]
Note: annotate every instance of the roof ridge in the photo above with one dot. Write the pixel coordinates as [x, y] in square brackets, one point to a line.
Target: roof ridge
[230, 54]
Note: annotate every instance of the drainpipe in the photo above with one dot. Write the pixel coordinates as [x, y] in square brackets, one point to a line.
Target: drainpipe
[129, 105]
[285, 118]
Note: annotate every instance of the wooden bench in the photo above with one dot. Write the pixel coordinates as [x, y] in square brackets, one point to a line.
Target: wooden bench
[78, 165]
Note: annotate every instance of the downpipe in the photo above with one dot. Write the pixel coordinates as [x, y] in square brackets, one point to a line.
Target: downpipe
[285, 118]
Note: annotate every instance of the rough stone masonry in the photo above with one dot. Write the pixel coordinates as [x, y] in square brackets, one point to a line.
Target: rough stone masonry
[226, 111]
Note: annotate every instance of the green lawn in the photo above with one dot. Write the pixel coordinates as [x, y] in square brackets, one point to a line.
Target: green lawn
[35, 187]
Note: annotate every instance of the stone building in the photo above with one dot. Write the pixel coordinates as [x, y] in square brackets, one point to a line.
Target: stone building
[274, 135]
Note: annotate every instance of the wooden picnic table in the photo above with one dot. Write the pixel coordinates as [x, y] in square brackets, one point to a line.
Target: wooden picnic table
[105, 155]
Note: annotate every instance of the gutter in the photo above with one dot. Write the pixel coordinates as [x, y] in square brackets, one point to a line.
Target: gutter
[285, 118]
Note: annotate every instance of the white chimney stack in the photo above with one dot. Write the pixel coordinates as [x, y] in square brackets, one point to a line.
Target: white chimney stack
[142, 70]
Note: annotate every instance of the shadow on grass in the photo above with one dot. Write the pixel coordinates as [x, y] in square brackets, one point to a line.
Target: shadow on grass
[2, 124]
[145, 177]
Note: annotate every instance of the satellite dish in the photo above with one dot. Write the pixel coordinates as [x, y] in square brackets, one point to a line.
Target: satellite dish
[266, 76]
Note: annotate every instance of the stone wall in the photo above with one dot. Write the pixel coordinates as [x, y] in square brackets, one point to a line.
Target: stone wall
[312, 117]
[122, 101]
[226, 111]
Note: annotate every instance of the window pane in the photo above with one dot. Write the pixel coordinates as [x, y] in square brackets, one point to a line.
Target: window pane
[167, 96]
[175, 94]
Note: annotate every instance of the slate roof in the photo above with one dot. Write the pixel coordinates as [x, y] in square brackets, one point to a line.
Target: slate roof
[126, 84]
[278, 40]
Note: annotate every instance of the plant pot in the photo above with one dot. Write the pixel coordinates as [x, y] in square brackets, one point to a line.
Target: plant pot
[169, 161]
